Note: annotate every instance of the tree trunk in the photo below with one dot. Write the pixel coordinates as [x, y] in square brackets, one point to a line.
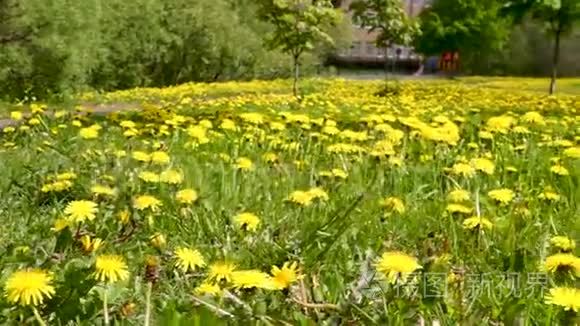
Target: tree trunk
[296, 75]
[555, 61]
[386, 61]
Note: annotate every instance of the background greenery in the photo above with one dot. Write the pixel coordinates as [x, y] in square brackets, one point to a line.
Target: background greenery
[52, 49]
[55, 47]
[501, 37]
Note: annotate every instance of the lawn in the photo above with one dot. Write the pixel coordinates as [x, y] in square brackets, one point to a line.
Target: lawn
[569, 86]
[234, 203]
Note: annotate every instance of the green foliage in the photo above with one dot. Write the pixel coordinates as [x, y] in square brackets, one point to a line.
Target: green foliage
[388, 17]
[407, 146]
[471, 27]
[558, 16]
[298, 26]
[53, 48]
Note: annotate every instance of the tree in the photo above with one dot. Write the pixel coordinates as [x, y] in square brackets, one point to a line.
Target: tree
[10, 29]
[469, 27]
[389, 19]
[298, 26]
[559, 17]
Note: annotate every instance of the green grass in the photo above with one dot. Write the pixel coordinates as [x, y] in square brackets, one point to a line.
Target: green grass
[336, 242]
[567, 86]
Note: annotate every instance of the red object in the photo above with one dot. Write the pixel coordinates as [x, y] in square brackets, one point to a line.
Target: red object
[447, 56]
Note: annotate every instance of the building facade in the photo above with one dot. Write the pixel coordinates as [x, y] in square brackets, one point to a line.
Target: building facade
[363, 49]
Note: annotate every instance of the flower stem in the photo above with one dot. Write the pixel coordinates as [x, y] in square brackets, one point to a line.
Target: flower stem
[37, 317]
[148, 303]
[105, 308]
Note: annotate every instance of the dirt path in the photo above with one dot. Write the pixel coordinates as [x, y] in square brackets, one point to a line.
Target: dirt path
[99, 109]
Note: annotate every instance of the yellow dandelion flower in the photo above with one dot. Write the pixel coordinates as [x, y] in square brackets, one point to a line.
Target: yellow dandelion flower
[484, 165]
[128, 124]
[110, 269]
[16, 115]
[567, 298]
[325, 174]
[208, 289]
[130, 132]
[338, 173]
[458, 208]
[160, 158]
[503, 195]
[248, 279]
[103, 190]
[61, 224]
[149, 176]
[120, 153]
[397, 265]
[199, 133]
[303, 198]
[221, 271]
[563, 243]
[171, 176]
[66, 176]
[520, 130]
[124, 216]
[458, 195]
[319, 193]
[463, 169]
[224, 157]
[81, 210]
[572, 152]
[59, 114]
[248, 221]
[501, 124]
[485, 135]
[473, 145]
[146, 201]
[562, 262]
[253, 117]
[270, 157]
[90, 245]
[549, 196]
[533, 117]
[188, 259]
[244, 163]
[475, 222]
[29, 287]
[394, 203]
[186, 196]
[141, 156]
[228, 124]
[206, 124]
[559, 170]
[37, 108]
[89, 133]
[158, 241]
[286, 275]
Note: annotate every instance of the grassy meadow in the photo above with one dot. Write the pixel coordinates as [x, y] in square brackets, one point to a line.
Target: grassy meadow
[450, 202]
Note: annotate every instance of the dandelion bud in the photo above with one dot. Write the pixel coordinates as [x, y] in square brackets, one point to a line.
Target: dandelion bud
[128, 309]
[158, 241]
[152, 269]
